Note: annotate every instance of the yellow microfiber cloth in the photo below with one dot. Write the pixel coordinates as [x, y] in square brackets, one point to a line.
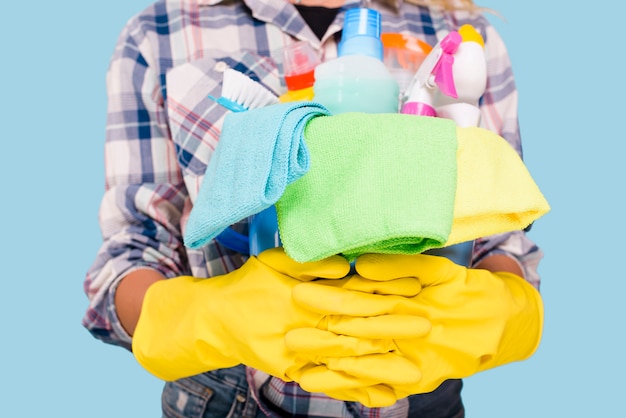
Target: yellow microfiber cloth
[495, 193]
[382, 183]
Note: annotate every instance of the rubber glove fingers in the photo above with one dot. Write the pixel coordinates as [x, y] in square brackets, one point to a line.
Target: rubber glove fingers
[321, 379]
[388, 368]
[332, 300]
[342, 373]
[407, 287]
[431, 269]
[390, 326]
[316, 344]
[483, 319]
[333, 267]
[344, 387]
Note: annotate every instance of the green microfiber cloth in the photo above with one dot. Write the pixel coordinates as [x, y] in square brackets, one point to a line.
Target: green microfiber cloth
[377, 183]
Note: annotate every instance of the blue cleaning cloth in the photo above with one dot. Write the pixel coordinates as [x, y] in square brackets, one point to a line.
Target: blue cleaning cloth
[260, 151]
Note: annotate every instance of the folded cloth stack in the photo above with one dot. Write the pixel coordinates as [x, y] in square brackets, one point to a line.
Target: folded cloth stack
[359, 183]
[402, 184]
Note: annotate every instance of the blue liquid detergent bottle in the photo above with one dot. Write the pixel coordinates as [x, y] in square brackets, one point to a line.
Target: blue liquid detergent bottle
[357, 80]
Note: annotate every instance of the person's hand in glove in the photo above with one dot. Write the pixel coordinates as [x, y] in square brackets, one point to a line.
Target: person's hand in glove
[189, 326]
[480, 320]
[375, 299]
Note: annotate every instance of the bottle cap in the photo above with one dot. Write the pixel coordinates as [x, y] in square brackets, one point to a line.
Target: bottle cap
[299, 61]
[361, 33]
[403, 54]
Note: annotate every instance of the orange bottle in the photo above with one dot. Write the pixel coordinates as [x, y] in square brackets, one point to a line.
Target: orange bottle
[299, 63]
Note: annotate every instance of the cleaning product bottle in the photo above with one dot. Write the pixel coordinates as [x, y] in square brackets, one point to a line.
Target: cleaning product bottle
[451, 80]
[403, 54]
[357, 80]
[470, 80]
[435, 74]
[299, 62]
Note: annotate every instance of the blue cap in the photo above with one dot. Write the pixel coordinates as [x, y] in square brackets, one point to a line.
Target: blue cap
[361, 33]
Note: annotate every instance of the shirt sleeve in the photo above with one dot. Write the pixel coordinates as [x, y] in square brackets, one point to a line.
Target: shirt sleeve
[141, 209]
[499, 113]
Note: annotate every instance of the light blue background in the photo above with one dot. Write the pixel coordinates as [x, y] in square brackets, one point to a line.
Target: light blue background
[54, 58]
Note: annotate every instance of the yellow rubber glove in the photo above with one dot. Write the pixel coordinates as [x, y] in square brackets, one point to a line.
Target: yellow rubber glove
[480, 320]
[189, 326]
[376, 299]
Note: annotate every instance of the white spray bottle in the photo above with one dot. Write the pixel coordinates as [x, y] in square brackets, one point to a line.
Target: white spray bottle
[469, 73]
[451, 79]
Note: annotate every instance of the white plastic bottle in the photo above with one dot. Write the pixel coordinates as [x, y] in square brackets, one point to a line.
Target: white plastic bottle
[451, 80]
[357, 80]
[470, 78]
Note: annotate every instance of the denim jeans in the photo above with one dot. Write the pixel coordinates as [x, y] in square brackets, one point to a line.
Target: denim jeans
[224, 393]
[221, 393]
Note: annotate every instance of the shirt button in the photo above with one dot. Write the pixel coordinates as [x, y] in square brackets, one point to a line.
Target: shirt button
[240, 398]
[220, 66]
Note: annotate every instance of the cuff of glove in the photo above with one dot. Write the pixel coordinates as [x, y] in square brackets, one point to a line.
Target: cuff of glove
[525, 325]
[163, 342]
